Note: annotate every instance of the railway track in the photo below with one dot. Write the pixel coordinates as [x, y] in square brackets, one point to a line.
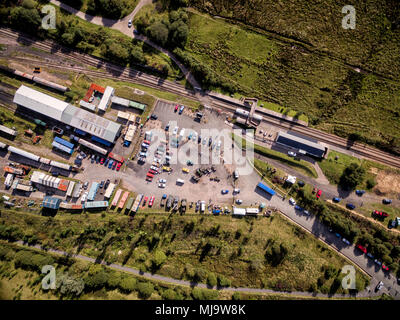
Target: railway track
[127, 74]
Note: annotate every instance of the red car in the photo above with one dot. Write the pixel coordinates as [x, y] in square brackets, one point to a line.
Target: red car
[360, 247]
[152, 171]
[384, 267]
[119, 166]
[114, 165]
[176, 107]
[318, 194]
[144, 201]
[101, 160]
[380, 214]
[151, 201]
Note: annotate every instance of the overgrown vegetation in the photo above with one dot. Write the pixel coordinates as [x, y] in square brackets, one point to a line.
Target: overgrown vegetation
[273, 248]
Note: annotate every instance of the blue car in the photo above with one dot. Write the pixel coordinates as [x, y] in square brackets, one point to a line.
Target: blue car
[106, 162]
[360, 192]
[110, 164]
[181, 109]
[97, 159]
[336, 199]
[338, 235]
[298, 208]
[190, 135]
[350, 206]
[224, 191]
[164, 196]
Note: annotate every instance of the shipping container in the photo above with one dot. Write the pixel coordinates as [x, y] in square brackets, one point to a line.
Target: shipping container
[116, 198]
[60, 165]
[64, 142]
[123, 200]
[23, 153]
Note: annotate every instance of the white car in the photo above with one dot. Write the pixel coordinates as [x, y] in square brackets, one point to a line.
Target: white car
[162, 181]
[84, 197]
[154, 168]
[306, 212]
[129, 23]
[346, 241]
[175, 130]
[194, 138]
[291, 154]
[292, 201]
[238, 201]
[161, 185]
[236, 190]
[379, 286]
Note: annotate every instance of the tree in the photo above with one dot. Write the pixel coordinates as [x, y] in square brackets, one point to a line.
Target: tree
[28, 17]
[69, 286]
[276, 253]
[114, 280]
[168, 294]
[158, 32]
[352, 176]
[96, 281]
[128, 284]
[29, 4]
[145, 289]
[204, 294]
[178, 33]
[159, 259]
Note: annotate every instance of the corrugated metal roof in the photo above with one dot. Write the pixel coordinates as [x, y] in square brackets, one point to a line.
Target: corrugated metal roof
[310, 147]
[96, 204]
[51, 202]
[40, 102]
[105, 99]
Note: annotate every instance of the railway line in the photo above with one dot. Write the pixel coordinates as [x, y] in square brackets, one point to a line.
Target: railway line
[127, 74]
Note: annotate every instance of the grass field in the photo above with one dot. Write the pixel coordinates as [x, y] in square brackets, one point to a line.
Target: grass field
[234, 249]
[333, 168]
[302, 66]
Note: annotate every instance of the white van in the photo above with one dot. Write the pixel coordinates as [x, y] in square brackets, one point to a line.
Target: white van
[180, 181]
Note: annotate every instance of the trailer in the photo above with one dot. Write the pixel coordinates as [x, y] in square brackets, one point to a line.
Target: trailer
[266, 188]
[89, 145]
[129, 204]
[60, 165]
[64, 142]
[136, 205]
[8, 131]
[102, 141]
[123, 200]
[109, 191]
[9, 180]
[62, 148]
[23, 153]
[116, 157]
[116, 197]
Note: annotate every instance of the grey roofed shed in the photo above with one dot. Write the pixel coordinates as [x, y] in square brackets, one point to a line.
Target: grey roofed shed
[311, 147]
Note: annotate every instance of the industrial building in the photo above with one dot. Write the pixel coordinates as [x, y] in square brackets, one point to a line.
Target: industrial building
[303, 144]
[93, 191]
[51, 203]
[68, 114]
[128, 103]
[49, 181]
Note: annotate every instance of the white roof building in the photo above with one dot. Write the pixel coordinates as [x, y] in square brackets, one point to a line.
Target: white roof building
[239, 211]
[106, 98]
[67, 114]
[40, 102]
[291, 179]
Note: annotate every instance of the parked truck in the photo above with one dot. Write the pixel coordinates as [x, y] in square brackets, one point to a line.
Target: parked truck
[202, 206]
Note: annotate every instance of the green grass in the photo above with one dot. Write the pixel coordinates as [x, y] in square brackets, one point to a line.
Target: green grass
[309, 75]
[367, 209]
[183, 246]
[333, 168]
[300, 166]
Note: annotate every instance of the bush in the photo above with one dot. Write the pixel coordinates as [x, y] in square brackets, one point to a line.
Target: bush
[371, 183]
[69, 286]
[159, 259]
[223, 282]
[145, 289]
[128, 284]
[96, 281]
[204, 294]
[212, 279]
[168, 294]
[352, 176]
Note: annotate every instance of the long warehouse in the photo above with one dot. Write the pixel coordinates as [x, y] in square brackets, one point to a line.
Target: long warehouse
[68, 114]
[308, 146]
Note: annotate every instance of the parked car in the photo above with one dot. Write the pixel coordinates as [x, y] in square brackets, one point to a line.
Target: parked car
[189, 163]
[291, 154]
[162, 181]
[167, 127]
[151, 201]
[336, 199]
[292, 201]
[162, 185]
[380, 214]
[298, 208]
[114, 165]
[106, 162]
[350, 206]
[176, 107]
[386, 201]
[236, 191]
[370, 255]
[318, 195]
[361, 248]
[181, 109]
[145, 201]
[185, 170]
[378, 262]
[360, 192]
[385, 268]
[85, 185]
[238, 201]
[107, 184]
[119, 166]
[92, 158]
[97, 159]
[379, 286]
[346, 241]
[338, 235]
[130, 23]
[224, 191]
[101, 184]
[110, 164]
[306, 212]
